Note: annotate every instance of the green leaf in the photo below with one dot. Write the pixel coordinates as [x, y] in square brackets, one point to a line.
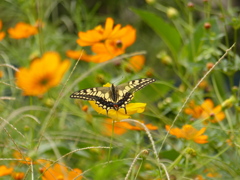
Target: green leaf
[165, 31]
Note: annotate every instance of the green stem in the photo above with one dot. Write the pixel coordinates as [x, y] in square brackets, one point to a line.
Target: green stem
[235, 40]
[143, 159]
[110, 149]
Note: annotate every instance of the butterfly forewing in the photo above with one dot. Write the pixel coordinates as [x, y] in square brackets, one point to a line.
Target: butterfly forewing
[91, 94]
[114, 97]
[140, 83]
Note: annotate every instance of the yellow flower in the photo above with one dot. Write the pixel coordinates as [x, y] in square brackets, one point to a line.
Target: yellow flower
[2, 34]
[190, 133]
[59, 172]
[22, 30]
[132, 108]
[43, 73]
[4, 170]
[122, 127]
[206, 111]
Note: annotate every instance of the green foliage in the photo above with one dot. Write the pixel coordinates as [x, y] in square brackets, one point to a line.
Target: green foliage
[182, 43]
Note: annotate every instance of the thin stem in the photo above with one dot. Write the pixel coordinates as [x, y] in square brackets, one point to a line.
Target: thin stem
[110, 149]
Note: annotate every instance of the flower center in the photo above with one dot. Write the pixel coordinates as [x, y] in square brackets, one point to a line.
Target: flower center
[212, 115]
[119, 44]
[44, 81]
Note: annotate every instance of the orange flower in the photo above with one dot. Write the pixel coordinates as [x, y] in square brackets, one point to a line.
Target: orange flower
[211, 172]
[1, 74]
[18, 155]
[107, 42]
[22, 30]
[18, 175]
[79, 54]
[4, 170]
[59, 172]
[199, 177]
[190, 133]
[206, 111]
[121, 127]
[109, 32]
[136, 63]
[43, 73]
[2, 34]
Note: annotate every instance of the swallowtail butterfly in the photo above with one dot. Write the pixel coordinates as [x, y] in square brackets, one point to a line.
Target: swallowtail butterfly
[114, 97]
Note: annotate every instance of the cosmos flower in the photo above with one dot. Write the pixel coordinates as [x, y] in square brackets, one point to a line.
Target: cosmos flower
[122, 127]
[190, 133]
[136, 63]
[59, 171]
[4, 170]
[2, 34]
[43, 74]
[206, 111]
[108, 42]
[22, 30]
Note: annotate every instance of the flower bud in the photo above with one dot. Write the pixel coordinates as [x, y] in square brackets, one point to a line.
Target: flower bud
[207, 25]
[150, 2]
[85, 108]
[190, 5]
[228, 102]
[209, 65]
[172, 13]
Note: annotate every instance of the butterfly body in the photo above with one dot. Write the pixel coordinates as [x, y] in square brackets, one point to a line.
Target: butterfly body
[114, 97]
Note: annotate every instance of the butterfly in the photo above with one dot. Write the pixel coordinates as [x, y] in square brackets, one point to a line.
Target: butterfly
[114, 97]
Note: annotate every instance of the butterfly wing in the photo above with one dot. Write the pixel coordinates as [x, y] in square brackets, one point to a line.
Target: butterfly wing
[114, 97]
[101, 95]
[135, 85]
[91, 94]
[125, 91]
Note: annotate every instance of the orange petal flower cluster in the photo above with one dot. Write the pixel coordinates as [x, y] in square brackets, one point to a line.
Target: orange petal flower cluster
[2, 34]
[107, 42]
[43, 73]
[22, 30]
[5, 171]
[59, 171]
[190, 133]
[49, 172]
[206, 111]
[122, 127]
